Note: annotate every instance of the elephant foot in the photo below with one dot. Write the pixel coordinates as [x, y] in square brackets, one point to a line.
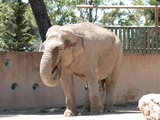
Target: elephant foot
[96, 109]
[96, 105]
[69, 113]
[86, 109]
[109, 109]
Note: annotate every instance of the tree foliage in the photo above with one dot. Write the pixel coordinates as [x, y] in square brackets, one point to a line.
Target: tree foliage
[18, 33]
[61, 11]
[65, 12]
[128, 17]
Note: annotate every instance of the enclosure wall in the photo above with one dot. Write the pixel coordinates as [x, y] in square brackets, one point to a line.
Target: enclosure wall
[22, 88]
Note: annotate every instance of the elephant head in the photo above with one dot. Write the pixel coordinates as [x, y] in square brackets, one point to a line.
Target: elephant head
[62, 45]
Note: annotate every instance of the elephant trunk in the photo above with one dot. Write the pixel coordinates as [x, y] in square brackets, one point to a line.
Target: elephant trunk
[48, 66]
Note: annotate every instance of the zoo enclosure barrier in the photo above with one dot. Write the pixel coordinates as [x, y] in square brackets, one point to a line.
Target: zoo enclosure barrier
[20, 80]
[138, 40]
[135, 40]
[22, 88]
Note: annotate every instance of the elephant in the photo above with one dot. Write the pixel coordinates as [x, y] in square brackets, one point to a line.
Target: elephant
[88, 51]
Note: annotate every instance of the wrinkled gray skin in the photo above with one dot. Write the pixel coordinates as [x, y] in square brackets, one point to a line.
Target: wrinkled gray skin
[89, 51]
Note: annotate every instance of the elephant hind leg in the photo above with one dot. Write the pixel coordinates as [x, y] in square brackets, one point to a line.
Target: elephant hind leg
[96, 105]
[111, 83]
[101, 85]
[110, 86]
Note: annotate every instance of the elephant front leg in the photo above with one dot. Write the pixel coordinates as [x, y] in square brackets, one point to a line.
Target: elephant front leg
[96, 105]
[68, 87]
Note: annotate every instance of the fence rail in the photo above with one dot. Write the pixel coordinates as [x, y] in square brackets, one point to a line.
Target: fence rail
[139, 40]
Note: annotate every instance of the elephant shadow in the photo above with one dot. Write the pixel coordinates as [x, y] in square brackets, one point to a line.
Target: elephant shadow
[119, 109]
[60, 111]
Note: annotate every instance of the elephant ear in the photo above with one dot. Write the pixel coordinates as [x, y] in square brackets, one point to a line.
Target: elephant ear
[78, 46]
[76, 41]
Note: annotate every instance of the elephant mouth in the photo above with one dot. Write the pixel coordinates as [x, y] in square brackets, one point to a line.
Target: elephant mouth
[56, 70]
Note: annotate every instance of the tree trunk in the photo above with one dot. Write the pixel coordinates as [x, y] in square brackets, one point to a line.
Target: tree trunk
[90, 11]
[41, 16]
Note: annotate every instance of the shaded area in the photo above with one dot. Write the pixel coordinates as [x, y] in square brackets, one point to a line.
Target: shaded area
[119, 109]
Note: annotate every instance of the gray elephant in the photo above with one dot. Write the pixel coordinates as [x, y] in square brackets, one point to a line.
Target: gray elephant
[86, 50]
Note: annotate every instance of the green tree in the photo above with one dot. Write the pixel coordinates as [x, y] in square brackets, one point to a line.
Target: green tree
[150, 14]
[122, 17]
[130, 17]
[61, 11]
[64, 11]
[18, 33]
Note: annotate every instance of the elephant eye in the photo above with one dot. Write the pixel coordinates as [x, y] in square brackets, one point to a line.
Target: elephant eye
[60, 48]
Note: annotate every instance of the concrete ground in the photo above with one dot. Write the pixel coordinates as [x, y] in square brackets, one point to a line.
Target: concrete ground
[121, 113]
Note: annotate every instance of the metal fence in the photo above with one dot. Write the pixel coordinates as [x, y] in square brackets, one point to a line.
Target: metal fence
[139, 40]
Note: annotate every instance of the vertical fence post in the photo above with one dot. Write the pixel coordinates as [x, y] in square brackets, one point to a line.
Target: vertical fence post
[156, 27]
[156, 17]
